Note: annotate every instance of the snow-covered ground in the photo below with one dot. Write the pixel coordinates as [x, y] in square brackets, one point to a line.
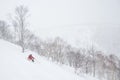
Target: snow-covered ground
[15, 66]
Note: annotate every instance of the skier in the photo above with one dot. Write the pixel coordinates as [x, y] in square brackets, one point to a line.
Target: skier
[30, 57]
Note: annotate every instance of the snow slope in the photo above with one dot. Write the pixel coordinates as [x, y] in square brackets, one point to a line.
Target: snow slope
[15, 66]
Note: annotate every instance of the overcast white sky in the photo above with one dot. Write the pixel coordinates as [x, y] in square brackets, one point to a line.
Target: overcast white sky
[74, 20]
[61, 12]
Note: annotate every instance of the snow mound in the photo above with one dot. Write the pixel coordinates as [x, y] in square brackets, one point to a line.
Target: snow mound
[15, 66]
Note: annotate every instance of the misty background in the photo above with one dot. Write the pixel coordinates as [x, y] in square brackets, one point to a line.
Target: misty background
[79, 22]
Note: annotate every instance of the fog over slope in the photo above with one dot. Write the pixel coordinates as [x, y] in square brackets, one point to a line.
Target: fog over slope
[78, 22]
[106, 37]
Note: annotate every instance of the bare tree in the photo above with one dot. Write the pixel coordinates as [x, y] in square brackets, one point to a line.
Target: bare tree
[92, 52]
[5, 31]
[20, 22]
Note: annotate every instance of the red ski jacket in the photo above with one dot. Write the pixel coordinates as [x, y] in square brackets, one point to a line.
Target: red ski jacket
[30, 57]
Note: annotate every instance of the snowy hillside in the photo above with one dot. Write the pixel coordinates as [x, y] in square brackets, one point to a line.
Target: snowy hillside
[15, 66]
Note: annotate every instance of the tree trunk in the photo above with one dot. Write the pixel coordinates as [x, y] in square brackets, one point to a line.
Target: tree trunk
[94, 69]
[86, 67]
[23, 49]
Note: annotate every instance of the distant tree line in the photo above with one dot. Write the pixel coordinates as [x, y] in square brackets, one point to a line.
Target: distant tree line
[89, 60]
